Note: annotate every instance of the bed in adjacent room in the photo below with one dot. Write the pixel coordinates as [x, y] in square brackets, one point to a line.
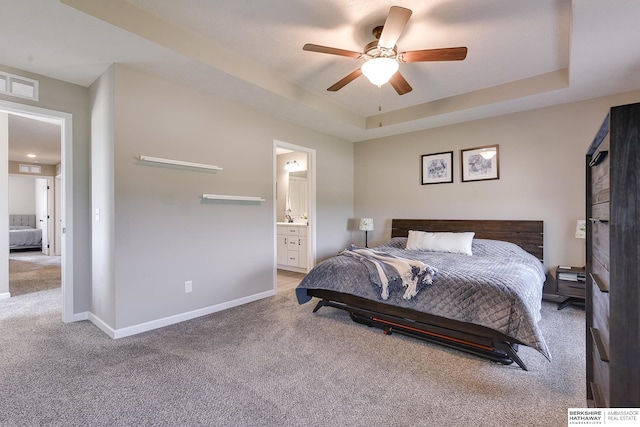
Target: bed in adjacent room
[472, 285]
[23, 233]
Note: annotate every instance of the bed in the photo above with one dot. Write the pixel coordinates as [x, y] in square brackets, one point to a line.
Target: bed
[486, 304]
[23, 233]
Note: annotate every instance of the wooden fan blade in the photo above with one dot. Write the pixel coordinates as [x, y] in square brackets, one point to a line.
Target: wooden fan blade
[446, 54]
[345, 81]
[400, 84]
[331, 50]
[394, 26]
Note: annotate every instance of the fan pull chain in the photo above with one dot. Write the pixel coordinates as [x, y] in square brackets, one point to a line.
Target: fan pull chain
[380, 103]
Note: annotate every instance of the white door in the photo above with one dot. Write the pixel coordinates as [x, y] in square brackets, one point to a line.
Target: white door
[42, 211]
[57, 218]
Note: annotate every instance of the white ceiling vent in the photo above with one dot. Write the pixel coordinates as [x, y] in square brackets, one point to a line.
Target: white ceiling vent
[22, 87]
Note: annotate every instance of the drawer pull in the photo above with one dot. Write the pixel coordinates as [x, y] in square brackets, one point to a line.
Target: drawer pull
[597, 340]
[598, 281]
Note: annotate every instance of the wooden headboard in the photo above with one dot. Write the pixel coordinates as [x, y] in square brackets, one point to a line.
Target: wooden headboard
[526, 234]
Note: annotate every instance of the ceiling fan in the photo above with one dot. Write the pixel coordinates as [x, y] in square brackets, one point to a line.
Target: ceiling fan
[382, 58]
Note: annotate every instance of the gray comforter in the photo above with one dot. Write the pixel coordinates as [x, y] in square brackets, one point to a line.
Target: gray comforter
[21, 235]
[499, 286]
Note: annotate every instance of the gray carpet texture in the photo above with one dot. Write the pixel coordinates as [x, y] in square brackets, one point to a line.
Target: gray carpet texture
[31, 271]
[273, 363]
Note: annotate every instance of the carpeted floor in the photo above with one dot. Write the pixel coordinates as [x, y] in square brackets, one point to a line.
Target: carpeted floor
[31, 271]
[272, 363]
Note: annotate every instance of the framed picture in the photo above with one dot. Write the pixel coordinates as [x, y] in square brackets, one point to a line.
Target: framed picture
[480, 163]
[437, 168]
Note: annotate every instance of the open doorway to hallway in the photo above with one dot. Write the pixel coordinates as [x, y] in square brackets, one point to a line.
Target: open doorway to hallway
[54, 165]
[34, 155]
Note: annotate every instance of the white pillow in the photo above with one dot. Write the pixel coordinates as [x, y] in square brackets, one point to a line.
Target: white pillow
[459, 243]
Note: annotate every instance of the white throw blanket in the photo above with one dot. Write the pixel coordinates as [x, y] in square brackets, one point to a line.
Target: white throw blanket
[404, 267]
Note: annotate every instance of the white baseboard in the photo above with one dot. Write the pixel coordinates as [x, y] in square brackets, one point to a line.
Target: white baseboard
[102, 325]
[5, 295]
[171, 320]
[80, 316]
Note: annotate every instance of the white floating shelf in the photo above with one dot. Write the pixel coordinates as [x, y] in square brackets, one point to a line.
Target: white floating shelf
[237, 198]
[179, 163]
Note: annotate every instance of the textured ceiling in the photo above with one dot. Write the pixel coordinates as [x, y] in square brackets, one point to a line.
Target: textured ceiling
[522, 54]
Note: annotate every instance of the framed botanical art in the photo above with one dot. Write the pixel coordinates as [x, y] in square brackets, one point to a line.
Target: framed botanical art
[480, 163]
[437, 168]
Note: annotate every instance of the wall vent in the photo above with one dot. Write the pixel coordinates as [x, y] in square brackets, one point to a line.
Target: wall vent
[22, 87]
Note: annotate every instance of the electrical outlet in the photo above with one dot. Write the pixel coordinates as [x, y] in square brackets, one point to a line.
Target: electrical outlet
[188, 286]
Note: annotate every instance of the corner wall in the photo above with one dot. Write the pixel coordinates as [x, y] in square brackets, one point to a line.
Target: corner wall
[103, 305]
[165, 234]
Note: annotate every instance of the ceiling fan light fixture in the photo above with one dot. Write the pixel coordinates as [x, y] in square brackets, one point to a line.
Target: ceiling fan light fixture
[380, 70]
[381, 56]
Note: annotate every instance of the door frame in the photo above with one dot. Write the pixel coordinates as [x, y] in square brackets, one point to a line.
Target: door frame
[311, 196]
[46, 194]
[66, 168]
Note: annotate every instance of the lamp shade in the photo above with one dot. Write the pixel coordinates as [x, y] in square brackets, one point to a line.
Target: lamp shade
[366, 224]
[380, 70]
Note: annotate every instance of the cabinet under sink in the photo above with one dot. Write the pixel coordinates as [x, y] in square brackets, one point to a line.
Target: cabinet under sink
[292, 246]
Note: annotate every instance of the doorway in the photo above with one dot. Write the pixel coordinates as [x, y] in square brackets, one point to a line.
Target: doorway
[64, 120]
[294, 203]
[33, 267]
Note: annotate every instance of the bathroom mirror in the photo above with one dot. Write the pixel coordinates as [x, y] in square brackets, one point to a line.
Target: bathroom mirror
[298, 195]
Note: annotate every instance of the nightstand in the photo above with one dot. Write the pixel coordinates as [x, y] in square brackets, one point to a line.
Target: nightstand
[570, 282]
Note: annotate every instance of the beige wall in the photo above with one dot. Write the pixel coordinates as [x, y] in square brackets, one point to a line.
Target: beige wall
[163, 232]
[22, 195]
[541, 173]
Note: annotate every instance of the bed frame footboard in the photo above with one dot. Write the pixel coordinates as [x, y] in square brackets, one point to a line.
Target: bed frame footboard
[490, 347]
